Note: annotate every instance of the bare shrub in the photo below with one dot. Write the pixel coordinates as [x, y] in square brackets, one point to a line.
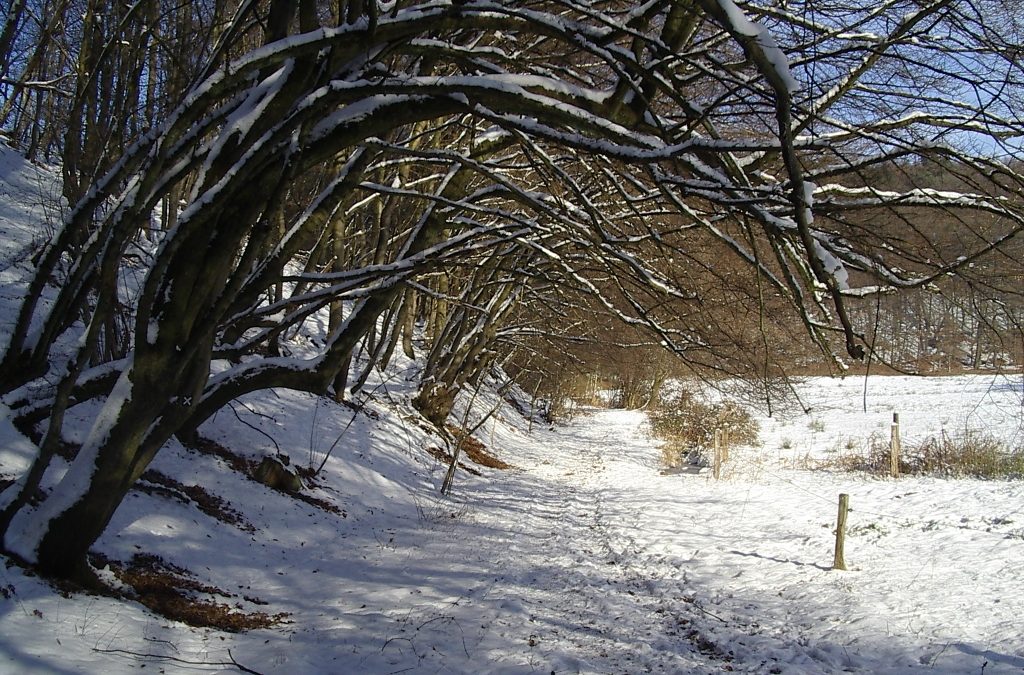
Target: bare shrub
[634, 392]
[687, 426]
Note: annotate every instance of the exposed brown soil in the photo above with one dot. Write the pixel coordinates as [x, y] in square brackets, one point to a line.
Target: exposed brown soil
[477, 451]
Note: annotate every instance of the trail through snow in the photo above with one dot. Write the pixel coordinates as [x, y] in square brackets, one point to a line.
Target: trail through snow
[585, 558]
[616, 567]
[573, 584]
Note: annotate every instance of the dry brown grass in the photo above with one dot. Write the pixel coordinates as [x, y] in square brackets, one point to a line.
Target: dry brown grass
[445, 457]
[247, 467]
[971, 455]
[477, 451]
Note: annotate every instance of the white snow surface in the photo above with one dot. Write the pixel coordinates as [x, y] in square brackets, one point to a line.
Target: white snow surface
[31, 209]
[586, 558]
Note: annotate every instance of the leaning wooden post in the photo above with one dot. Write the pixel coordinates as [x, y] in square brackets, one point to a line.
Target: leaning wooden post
[717, 466]
[839, 563]
[894, 447]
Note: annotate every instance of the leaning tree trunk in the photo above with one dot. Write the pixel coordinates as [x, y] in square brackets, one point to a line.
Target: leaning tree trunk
[132, 424]
[161, 382]
[151, 400]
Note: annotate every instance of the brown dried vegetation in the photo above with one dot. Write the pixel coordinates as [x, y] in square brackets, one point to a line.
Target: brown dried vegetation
[173, 592]
[156, 483]
[247, 468]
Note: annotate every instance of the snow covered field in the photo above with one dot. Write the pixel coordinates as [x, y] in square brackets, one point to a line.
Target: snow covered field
[583, 559]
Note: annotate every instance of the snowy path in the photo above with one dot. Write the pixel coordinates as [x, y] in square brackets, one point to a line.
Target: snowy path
[585, 559]
[604, 565]
[602, 560]
[573, 586]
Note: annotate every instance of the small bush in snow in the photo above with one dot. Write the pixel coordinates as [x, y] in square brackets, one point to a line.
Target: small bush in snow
[687, 426]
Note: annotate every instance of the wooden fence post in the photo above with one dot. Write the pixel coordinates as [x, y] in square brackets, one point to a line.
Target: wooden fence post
[717, 465]
[839, 562]
[894, 447]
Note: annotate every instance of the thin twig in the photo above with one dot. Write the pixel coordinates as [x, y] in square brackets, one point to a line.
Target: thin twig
[395, 639]
[240, 666]
[175, 659]
[253, 426]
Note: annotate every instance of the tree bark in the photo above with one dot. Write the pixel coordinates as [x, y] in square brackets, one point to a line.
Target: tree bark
[10, 29]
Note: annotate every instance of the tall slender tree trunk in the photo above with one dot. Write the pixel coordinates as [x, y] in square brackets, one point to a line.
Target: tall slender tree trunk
[10, 29]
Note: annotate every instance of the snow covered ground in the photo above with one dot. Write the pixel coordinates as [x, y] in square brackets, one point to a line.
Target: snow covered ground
[585, 558]
[935, 575]
[30, 208]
